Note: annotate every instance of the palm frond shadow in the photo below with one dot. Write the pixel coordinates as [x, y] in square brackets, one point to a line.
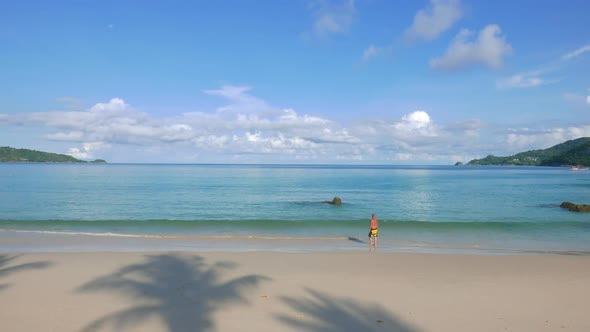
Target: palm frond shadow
[6, 269]
[320, 312]
[182, 291]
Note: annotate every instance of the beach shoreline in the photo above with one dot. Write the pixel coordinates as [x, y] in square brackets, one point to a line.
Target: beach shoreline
[279, 291]
[32, 241]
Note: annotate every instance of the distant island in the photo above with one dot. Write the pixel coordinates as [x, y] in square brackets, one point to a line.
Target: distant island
[570, 153]
[13, 155]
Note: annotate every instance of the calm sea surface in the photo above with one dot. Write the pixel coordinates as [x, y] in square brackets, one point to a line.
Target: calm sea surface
[436, 207]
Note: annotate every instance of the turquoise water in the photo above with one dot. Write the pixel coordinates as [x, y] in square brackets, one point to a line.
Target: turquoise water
[496, 208]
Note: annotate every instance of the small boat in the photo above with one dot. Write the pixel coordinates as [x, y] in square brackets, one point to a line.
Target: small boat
[576, 168]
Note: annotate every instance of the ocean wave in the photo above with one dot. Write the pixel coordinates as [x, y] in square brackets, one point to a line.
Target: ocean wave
[168, 236]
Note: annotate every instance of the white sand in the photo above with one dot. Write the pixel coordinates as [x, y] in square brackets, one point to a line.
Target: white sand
[292, 292]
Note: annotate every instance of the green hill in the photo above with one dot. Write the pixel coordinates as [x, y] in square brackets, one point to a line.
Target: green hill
[12, 155]
[574, 152]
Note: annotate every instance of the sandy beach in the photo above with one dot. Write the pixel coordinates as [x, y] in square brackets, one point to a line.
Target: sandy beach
[262, 291]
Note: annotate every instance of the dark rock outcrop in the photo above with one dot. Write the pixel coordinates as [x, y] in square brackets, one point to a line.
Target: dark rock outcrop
[575, 207]
[335, 201]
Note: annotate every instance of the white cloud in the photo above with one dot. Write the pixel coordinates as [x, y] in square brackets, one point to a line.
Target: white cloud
[415, 136]
[438, 17]
[578, 101]
[86, 150]
[240, 99]
[255, 137]
[331, 18]
[114, 121]
[251, 127]
[231, 92]
[78, 153]
[578, 52]
[573, 98]
[373, 51]
[468, 129]
[411, 126]
[579, 131]
[520, 81]
[370, 52]
[521, 139]
[75, 136]
[114, 105]
[93, 146]
[487, 50]
[528, 80]
[279, 135]
[414, 120]
[415, 126]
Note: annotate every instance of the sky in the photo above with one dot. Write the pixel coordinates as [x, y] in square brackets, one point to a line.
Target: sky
[293, 81]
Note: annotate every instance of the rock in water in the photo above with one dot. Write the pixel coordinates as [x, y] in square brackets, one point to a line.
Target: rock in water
[575, 207]
[567, 205]
[335, 201]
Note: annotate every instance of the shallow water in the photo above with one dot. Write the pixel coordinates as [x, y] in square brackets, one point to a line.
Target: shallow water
[441, 207]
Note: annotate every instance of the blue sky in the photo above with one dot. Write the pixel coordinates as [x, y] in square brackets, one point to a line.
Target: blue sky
[302, 81]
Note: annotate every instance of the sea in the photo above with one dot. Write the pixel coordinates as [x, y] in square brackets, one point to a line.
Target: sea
[54, 207]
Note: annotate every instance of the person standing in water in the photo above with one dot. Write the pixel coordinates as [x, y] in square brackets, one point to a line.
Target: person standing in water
[373, 230]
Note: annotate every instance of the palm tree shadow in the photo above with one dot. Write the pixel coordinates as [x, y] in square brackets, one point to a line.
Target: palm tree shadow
[325, 313]
[5, 269]
[183, 292]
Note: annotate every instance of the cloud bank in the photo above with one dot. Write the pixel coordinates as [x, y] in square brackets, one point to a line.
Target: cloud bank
[246, 128]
